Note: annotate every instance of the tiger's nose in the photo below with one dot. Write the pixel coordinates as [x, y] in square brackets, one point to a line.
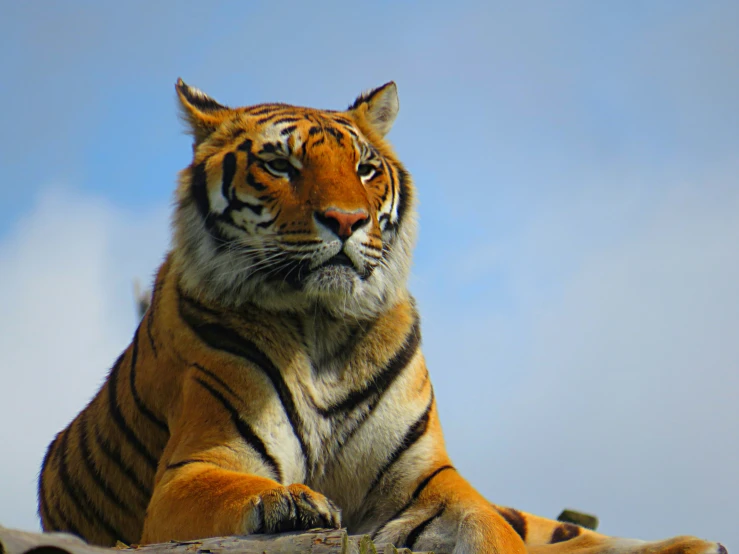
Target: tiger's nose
[341, 223]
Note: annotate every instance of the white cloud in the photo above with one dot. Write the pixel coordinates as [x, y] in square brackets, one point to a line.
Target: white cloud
[67, 313]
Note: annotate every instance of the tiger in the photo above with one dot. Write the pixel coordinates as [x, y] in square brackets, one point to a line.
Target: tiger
[276, 382]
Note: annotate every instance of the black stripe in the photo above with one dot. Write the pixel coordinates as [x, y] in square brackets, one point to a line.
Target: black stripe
[266, 118]
[81, 500]
[412, 435]
[257, 209]
[237, 204]
[65, 525]
[42, 500]
[515, 519]
[199, 192]
[414, 497]
[229, 170]
[46, 506]
[114, 455]
[200, 307]
[237, 133]
[339, 119]
[48, 523]
[120, 421]
[251, 158]
[381, 383]
[217, 379]
[245, 146]
[286, 120]
[253, 183]
[199, 189]
[287, 130]
[267, 109]
[149, 320]
[334, 132]
[66, 479]
[184, 463]
[265, 224]
[220, 337]
[404, 193]
[565, 532]
[423, 484]
[156, 296]
[382, 198]
[94, 471]
[245, 430]
[271, 148]
[373, 403]
[358, 423]
[414, 535]
[134, 393]
[346, 125]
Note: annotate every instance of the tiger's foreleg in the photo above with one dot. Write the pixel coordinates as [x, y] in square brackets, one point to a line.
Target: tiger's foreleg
[217, 476]
[445, 514]
[200, 499]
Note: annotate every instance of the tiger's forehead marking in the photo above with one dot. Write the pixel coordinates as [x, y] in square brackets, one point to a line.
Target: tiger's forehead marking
[289, 131]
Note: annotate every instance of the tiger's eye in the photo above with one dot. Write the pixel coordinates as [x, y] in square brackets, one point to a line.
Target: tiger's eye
[280, 165]
[365, 170]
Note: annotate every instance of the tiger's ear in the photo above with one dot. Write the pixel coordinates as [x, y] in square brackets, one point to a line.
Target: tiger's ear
[202, 114]
[378, 107]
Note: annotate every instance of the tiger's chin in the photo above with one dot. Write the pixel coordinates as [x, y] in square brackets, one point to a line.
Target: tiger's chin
[337, 290]
[332, 280]
[343, 292]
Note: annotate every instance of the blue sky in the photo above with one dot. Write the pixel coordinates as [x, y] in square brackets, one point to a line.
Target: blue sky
[577, 169]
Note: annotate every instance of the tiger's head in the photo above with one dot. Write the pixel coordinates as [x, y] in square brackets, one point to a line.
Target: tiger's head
[292, 208]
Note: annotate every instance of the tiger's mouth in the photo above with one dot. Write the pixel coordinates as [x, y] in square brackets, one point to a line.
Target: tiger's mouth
[340, 259]
[339, 271]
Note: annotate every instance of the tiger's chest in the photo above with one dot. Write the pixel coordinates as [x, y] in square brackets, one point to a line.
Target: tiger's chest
[339, 412]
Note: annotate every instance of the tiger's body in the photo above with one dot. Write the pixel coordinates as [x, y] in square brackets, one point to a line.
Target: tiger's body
[276, 381]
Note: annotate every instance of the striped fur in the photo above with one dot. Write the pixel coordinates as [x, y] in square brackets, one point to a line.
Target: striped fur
[276, 381]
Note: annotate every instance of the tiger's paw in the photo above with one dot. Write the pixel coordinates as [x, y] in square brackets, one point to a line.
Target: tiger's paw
[292, 508]
[686, 545]
[676, 545]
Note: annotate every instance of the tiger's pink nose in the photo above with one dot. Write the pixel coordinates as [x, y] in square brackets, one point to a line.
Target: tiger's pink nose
[341, 223]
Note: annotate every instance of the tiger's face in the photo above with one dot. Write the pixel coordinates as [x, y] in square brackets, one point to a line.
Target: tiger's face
[291, 207]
